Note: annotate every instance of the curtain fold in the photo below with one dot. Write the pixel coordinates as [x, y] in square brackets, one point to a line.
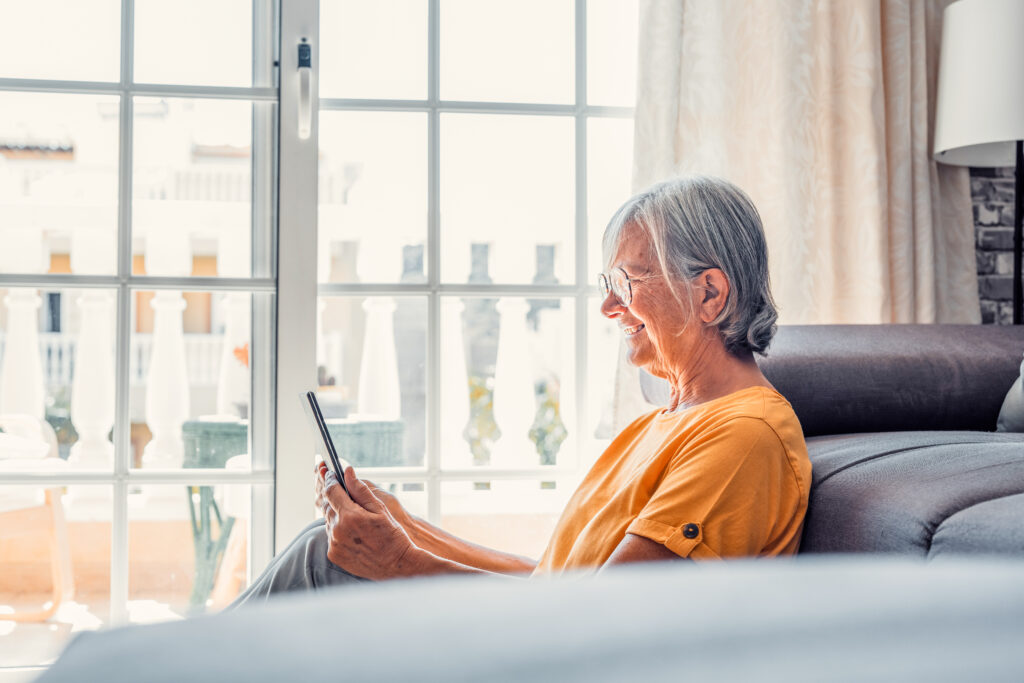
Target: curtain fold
[823, 112]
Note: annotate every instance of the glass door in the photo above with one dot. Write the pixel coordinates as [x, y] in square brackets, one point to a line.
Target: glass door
[138, 144]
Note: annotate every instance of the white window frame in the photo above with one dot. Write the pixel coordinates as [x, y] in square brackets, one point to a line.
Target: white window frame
[299, 281]
[262, 285]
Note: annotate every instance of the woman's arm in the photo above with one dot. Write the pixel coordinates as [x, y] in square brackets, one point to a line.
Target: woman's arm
[364, 538]
[634, 548]
[440, 544]
[445, 545]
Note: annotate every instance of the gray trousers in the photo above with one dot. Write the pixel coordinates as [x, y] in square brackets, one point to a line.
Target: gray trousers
[303, 565]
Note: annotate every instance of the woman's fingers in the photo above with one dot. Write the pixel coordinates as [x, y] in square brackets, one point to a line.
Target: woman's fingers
[361, 493]
[318, 484]
[335, 494]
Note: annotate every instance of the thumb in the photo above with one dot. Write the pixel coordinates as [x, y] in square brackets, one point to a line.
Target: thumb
[361, 493]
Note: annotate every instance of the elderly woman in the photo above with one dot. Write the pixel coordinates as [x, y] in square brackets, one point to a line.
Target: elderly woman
[722, 471]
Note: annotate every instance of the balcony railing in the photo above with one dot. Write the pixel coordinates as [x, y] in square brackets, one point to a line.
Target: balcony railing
[202, 357]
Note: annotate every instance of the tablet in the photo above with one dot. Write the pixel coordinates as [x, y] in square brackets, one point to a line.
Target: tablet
[312, 408]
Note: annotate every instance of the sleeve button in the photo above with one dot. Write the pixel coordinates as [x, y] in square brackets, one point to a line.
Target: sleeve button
[691, 531]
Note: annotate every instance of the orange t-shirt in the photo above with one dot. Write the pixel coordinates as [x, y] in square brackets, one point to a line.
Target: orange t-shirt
[726, 478]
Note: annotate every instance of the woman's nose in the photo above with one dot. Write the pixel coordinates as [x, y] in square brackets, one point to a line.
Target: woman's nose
[611, 307]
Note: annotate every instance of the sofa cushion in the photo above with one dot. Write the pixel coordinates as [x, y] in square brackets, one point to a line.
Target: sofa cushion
[994, 526]
[843, 379]
[921, 493]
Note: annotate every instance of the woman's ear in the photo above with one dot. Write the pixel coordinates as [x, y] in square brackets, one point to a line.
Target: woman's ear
[715, 286]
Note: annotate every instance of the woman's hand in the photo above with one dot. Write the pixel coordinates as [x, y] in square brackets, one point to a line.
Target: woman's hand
[364, 538]
[392, 503]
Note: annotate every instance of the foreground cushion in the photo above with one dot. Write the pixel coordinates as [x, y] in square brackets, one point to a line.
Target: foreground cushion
[804, 619]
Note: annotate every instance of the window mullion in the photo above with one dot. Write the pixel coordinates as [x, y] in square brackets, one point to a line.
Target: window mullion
[122, 410]
[262, 396]
[297, 287]
[433, 374]
[583, 268]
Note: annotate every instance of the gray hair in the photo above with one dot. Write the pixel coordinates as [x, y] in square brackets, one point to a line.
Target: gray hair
[699, 222]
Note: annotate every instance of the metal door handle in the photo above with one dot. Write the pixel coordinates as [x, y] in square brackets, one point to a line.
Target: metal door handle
[305, 89]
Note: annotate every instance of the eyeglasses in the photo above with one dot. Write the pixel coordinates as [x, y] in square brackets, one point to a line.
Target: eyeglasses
[619, 283]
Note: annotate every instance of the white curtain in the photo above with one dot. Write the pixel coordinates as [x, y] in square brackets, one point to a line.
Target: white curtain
[823, 112]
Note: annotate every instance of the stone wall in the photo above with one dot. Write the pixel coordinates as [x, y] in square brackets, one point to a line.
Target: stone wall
[992, 196]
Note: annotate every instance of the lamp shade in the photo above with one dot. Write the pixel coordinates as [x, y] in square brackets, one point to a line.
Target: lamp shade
[980, 104]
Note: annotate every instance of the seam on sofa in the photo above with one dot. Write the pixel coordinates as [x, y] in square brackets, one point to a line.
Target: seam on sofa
[938, 525]
[894, 451]
[982, 468]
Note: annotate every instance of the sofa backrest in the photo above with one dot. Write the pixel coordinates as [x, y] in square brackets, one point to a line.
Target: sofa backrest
[845, 379]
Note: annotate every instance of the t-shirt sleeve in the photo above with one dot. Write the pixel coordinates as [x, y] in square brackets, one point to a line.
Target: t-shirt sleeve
[721, 494]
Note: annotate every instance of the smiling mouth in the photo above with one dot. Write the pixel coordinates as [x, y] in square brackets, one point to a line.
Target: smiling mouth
[630, 331]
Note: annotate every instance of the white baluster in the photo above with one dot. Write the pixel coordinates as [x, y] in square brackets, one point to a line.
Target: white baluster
[22, 388]
[380, 393]
[555, 345]
[92, 387]
[22, 385]
[514, 401]
[167, 399]
[233, 378]
[167, 390]
[455, 452]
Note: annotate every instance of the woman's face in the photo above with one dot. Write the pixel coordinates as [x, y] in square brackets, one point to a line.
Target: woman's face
[657, 336]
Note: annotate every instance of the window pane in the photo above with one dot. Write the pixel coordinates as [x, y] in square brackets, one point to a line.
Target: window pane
[611, 52]
[178, 566]
[609, 173]
[507, 196]
[513, 516]
[507, 388]
[57, 374]
[191, 185]
[193, 42]
[45, 39]
[30, 518]
[58, 183]
[501, 51]
[371, 368]
[373, 196]
[373, 50]
[190, 378]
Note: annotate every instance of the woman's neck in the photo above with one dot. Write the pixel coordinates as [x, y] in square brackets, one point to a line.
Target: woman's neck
[713, 373]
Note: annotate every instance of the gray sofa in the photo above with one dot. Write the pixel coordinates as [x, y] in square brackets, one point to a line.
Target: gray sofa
[899, 423]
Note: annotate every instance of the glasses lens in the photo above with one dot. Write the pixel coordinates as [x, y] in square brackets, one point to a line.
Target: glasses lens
[620, 285]
[602, 282]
